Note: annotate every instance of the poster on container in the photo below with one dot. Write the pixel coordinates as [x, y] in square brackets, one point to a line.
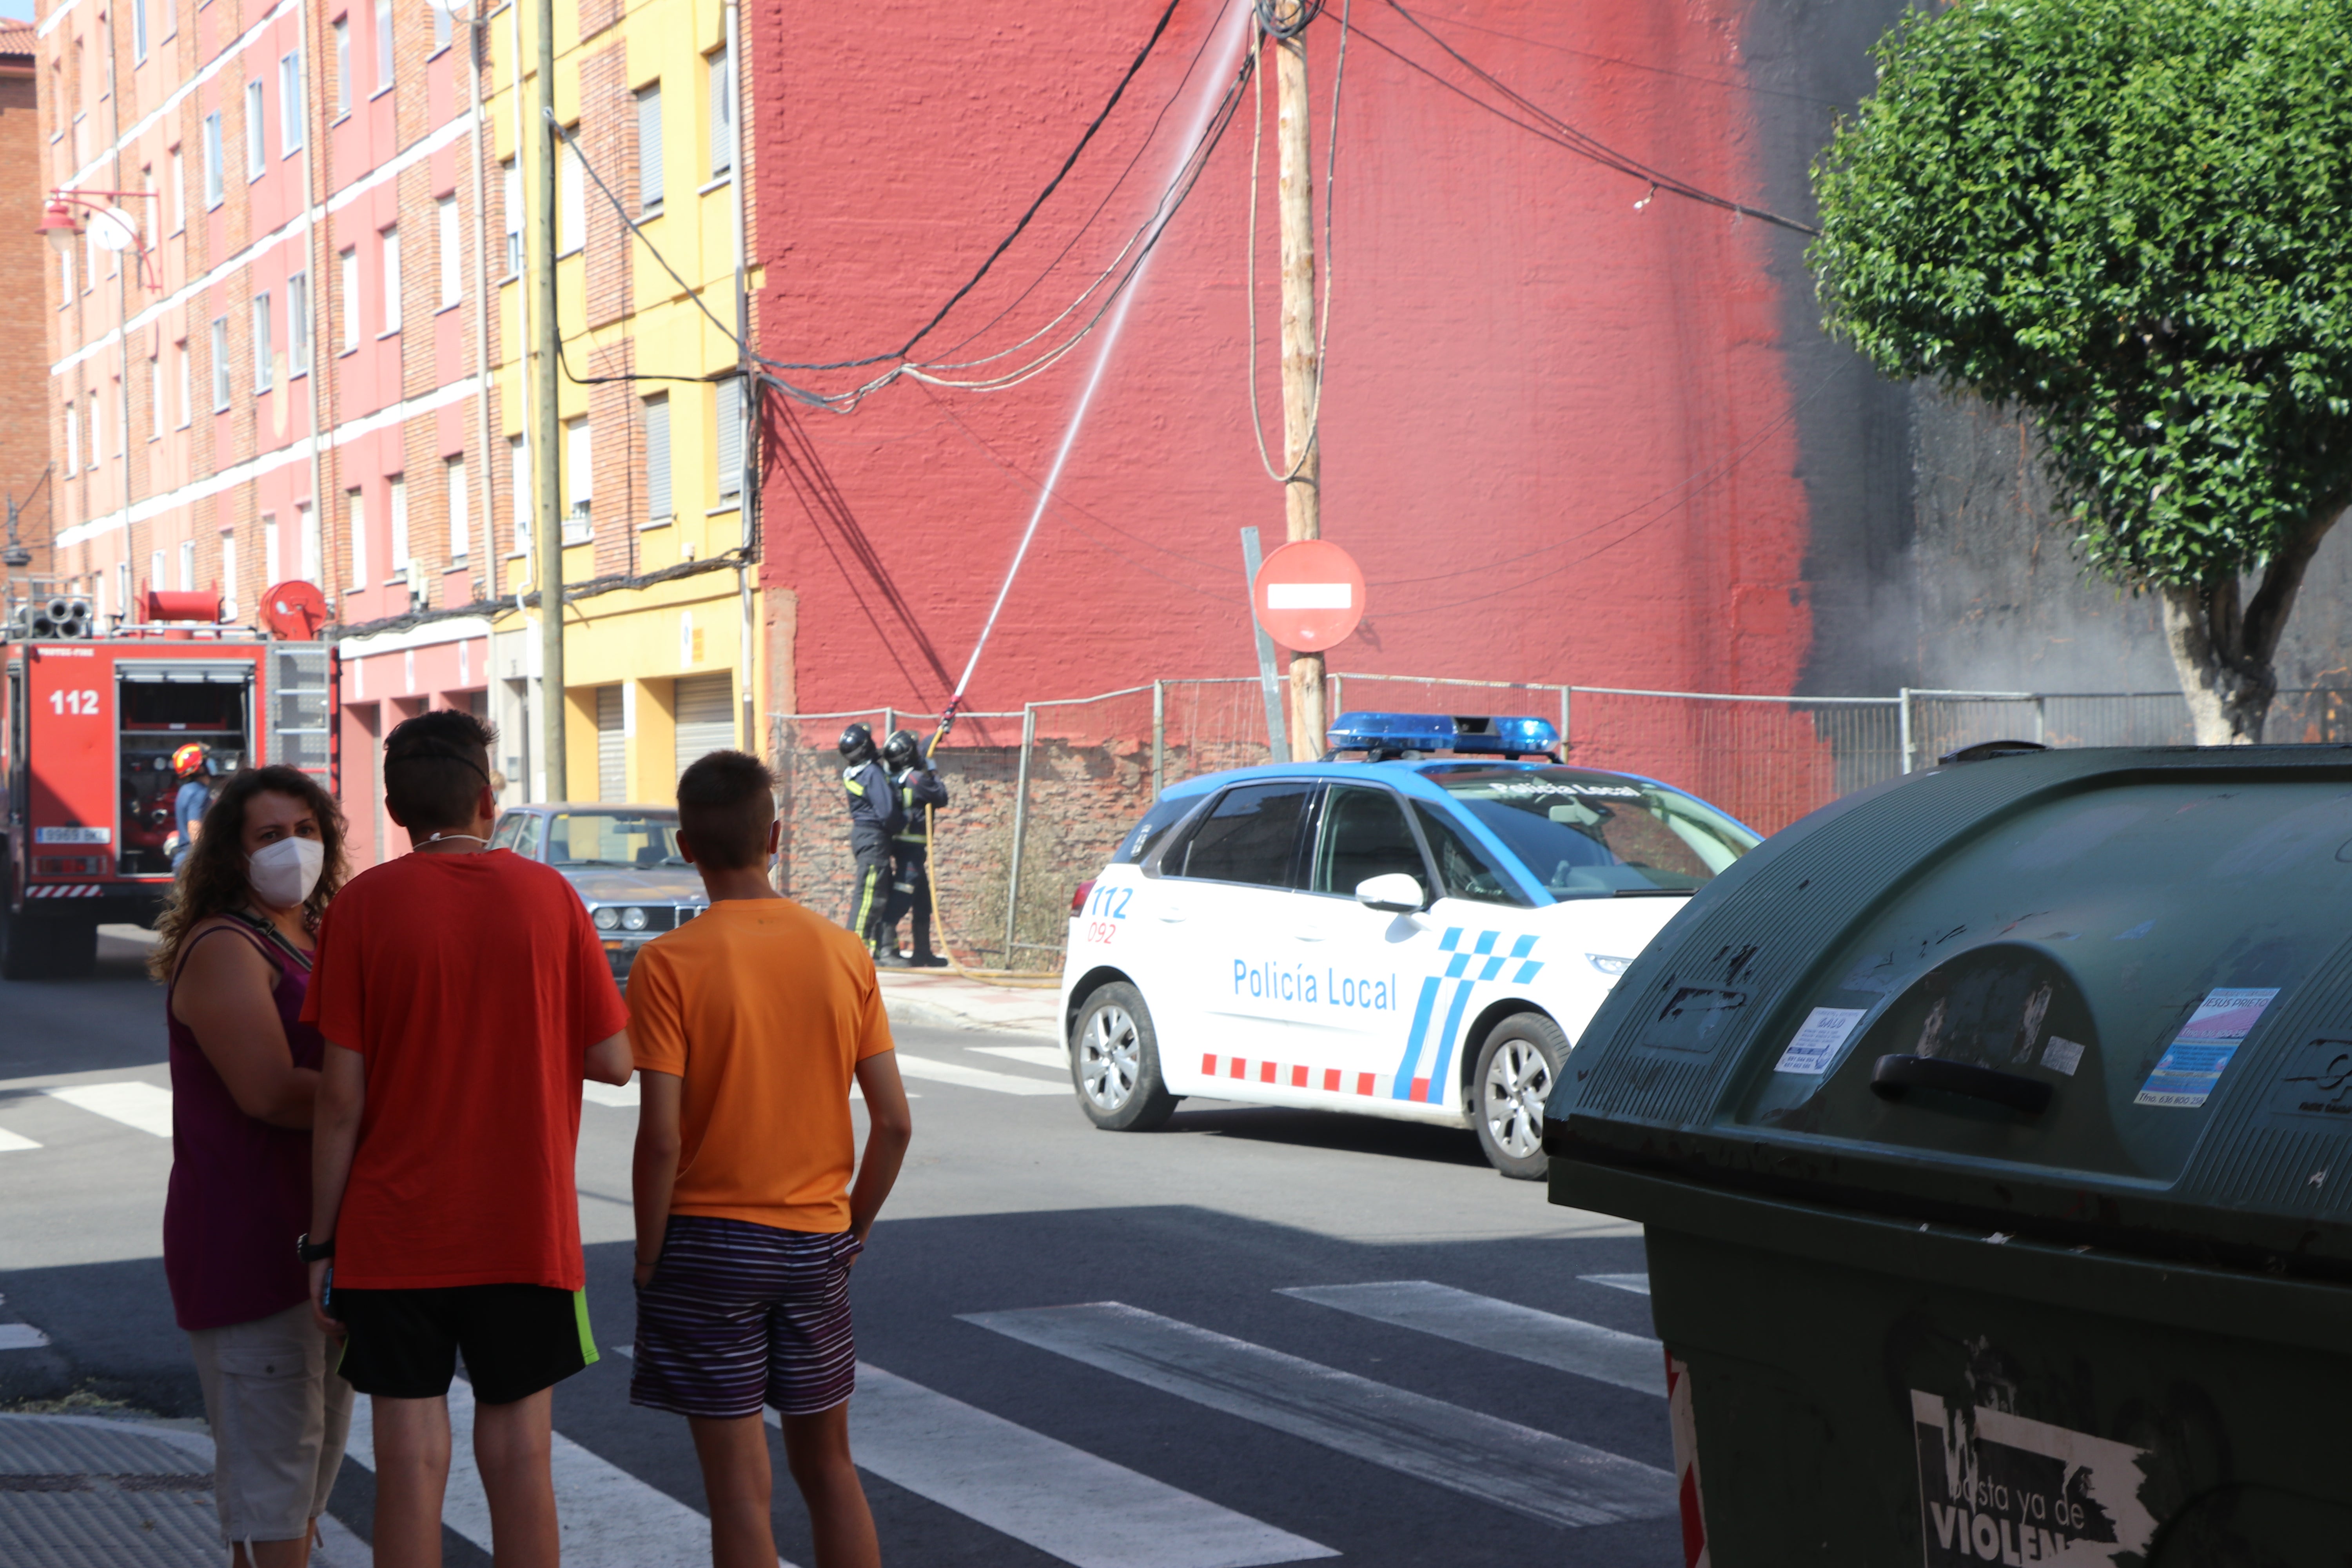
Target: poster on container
[1997, 1488]
[2185, 1075]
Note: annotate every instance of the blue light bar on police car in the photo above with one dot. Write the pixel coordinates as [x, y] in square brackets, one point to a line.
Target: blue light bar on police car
[1393, 734]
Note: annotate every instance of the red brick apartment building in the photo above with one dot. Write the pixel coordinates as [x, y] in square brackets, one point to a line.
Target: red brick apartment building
[24, 431]
[282, 379]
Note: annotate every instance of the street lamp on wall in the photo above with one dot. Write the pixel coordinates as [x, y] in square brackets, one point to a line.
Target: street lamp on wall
[109, 227]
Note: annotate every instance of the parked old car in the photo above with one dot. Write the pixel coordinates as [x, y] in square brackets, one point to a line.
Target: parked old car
[623, 861]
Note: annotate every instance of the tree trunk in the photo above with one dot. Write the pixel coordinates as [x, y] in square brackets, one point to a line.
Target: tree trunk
[2224, 646]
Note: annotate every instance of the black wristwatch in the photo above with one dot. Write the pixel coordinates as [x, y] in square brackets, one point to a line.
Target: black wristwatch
[319, 1253]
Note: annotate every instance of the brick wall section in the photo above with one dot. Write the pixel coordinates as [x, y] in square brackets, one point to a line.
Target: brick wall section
[1082, 799]
[420, 277]
[25, 303]
[608, 139]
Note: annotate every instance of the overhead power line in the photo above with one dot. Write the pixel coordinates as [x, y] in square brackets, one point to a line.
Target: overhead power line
[1551, 128]
[1134, 68]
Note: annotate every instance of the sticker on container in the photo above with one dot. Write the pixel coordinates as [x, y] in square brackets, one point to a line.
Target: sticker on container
[1997, 1488]
[2061, 1054]
[1818, 1042]
[2185, 1075]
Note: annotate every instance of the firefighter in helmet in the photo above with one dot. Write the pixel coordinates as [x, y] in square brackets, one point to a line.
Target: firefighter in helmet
[190, 764]
[919, 786]
[875, 815]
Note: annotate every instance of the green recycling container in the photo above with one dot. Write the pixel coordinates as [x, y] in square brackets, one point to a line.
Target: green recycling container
[1992, 1133]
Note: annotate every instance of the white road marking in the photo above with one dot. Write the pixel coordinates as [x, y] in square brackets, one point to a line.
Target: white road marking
[1565, 1345]
[1053, 1056]
[21, 1337]
[609, 1519]
[12, 1141]
[1496, 1462]
[132, 1103]
[974, 1077]
[626, 1097]
[1062, 1500]
[1637, 1283]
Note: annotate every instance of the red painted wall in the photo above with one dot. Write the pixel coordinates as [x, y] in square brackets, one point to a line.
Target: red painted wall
[1559, 436]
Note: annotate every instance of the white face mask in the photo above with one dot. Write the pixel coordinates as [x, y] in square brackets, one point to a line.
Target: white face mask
[282, 874]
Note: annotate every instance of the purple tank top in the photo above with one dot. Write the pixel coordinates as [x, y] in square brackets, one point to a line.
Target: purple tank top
[240, 1192]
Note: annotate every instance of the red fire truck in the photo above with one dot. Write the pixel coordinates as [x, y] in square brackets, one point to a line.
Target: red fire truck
[90, 717]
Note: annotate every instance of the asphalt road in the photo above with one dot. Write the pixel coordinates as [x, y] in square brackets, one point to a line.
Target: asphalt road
[1080, 1347]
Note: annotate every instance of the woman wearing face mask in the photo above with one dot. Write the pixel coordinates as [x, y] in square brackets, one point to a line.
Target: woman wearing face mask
[236, 950]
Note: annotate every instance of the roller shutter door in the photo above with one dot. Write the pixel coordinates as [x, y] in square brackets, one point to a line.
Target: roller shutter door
[706, 716]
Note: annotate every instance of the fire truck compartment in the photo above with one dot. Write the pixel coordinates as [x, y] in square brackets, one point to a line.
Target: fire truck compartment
[163, 705]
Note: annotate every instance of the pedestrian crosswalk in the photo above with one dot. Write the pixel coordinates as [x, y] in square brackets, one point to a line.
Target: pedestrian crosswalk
[1483, 1457]
[1629, 1361]
[133, 1102]
[1061, 1500]
[1080, 1507]
[1053, 1057]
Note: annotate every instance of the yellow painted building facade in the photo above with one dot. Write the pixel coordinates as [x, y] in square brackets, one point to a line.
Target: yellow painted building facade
[651, 414]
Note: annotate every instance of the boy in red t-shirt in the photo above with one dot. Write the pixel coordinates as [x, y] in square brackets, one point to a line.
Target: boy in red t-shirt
[464, 996]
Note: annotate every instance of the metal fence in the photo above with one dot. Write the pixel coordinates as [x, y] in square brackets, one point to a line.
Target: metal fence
[1041, 796]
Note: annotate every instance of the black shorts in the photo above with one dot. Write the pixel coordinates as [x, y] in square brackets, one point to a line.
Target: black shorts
[517, 1340]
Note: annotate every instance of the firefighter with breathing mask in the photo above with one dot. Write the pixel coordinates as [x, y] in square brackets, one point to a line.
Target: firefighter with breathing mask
[875, 815]
[919, 786]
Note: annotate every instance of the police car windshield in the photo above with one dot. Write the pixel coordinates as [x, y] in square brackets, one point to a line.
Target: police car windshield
[1596, 834]
[639, 840]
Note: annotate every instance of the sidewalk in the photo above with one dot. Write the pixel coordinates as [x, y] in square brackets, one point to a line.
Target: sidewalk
[943, 999]
[85, 1491]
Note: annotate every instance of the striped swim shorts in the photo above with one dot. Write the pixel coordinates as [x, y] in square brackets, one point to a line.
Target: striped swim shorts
[737, 1313]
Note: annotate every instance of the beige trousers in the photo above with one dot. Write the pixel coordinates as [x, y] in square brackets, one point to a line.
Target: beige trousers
[279, 1416]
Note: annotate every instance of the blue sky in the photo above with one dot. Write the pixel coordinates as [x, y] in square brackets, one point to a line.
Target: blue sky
[20, 9]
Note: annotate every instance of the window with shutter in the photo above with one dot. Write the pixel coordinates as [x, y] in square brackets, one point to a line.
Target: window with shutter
[256, 158]
[514, 218]
[261, 366]
[572, 189]
[722, 110]
[730, 436]
[298, 323]
[658, 506]
[519, 487]
[212, 159]
[403, 565]
[461, 534]
[453, 252]
[649, 150]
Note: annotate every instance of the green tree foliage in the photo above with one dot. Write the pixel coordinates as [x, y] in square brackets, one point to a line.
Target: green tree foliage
[2132, 219]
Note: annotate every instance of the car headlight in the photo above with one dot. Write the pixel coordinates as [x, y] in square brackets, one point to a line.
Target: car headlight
[632, 919]
[1606, 964]
[606, 919]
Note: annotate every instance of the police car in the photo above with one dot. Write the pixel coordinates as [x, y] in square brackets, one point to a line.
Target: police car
[1421, 934]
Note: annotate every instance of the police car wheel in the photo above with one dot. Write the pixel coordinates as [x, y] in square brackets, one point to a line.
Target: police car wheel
[1515, 1071]
[1115, 1062]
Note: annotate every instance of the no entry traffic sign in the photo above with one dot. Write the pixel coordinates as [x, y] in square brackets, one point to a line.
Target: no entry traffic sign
[1309, 595]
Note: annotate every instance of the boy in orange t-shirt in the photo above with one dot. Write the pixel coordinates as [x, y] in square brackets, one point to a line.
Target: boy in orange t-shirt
[747, 1026]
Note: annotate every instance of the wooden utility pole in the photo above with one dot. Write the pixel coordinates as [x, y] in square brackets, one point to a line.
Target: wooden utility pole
[1301, 368]
[547, 500]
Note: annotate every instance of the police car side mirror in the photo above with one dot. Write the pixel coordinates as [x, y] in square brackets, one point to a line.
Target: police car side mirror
[1392, 893]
